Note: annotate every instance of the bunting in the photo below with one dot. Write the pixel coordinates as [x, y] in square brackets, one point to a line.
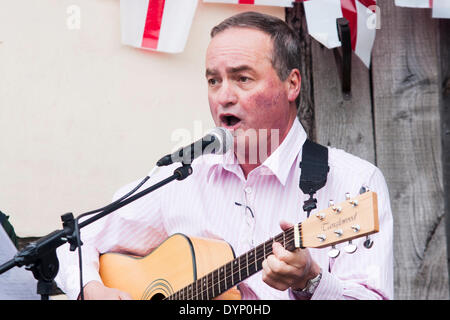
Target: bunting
[321, 18]
[159, 25]
[440, 8]
[278, 3]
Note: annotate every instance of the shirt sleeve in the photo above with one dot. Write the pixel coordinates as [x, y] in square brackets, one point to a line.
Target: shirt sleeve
[367, 273]
[136, 228]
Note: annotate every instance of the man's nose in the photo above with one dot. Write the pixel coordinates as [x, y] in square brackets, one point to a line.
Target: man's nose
[227, 96]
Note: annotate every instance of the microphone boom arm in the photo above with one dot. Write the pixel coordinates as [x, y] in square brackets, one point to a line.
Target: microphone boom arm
[40, 256]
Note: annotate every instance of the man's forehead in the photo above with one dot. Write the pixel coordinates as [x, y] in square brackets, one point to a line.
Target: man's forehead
[239, 37]
[239, 47]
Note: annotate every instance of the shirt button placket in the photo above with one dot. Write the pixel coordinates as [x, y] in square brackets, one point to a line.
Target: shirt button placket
[249, 216]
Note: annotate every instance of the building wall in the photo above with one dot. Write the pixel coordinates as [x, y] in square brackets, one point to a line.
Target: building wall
[393, 119]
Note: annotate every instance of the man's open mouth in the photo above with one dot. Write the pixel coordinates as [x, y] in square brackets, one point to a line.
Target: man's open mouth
[229, 120]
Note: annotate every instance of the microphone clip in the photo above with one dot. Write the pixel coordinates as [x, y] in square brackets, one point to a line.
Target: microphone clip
[183, 172]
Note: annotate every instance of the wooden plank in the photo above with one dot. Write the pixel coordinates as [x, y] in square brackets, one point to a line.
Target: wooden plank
[342, 123]
[295, 17]
[331, 119]
[444, 30]
[408, 146]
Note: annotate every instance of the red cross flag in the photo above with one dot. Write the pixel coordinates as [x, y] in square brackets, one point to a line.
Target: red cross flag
[160, 25]
[440, 8]
[321, 18]
[278, 3]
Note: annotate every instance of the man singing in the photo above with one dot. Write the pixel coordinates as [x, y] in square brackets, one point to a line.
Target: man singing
[245, 196]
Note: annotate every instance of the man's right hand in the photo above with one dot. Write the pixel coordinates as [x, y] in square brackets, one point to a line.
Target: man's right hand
[95, 290]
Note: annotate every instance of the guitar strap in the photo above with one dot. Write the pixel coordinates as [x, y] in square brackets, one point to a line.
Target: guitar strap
[314, 171]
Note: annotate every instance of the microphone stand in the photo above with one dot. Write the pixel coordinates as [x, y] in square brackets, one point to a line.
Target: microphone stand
[40, 256]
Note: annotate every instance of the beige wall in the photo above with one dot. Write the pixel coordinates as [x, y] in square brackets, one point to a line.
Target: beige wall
[81, 114]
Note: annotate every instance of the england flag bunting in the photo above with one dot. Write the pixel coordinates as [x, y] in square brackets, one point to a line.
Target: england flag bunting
[278, 3]
[413, 3]
[160, 25]
[321, 18]
[440, 8]
[163, 25]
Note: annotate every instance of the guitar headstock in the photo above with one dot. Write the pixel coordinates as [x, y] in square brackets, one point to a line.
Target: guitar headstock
[355, 217]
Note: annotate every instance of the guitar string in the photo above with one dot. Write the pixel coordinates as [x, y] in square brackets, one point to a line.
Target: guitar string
[261, 253]
[210, 285]
[235, 272]
[185, 292]
[289, 240]
[193, 290]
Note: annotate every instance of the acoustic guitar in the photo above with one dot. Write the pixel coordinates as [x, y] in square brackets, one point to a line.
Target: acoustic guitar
[192, 268]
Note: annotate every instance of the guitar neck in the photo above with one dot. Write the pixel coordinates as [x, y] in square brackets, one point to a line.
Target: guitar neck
[227, 276]
[350, 219]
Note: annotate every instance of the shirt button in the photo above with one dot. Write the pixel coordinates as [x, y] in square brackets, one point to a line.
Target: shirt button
[248, 190]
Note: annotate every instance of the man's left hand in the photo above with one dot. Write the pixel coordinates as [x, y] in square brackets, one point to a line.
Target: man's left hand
[284, 269]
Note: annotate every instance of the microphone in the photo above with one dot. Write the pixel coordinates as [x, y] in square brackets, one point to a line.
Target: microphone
[218, 141]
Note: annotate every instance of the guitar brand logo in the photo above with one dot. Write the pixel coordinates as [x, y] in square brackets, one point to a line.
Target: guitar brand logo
[327, 226]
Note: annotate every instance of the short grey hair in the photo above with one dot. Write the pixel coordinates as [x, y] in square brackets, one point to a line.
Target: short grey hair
[286, 45]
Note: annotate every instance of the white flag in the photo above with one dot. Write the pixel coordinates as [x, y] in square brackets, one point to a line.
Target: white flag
[160, 25]
[278, 3]
[413, 3]
[440, 8]
[321, 18]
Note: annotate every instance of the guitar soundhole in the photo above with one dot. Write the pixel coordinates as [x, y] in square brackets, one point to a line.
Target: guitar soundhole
[158, 296]
[159, 289]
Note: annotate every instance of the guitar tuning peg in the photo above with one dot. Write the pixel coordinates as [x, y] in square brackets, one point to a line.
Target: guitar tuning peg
[334, 252]
[364, 189]
[347, 196]
[368, 243]
[320, 215]
[350, 248]
[336, 209]
[330, 203]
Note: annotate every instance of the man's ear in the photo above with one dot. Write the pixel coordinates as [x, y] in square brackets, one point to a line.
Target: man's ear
[293, 82]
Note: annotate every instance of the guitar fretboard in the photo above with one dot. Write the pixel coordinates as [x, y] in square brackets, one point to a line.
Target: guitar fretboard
[227, 276]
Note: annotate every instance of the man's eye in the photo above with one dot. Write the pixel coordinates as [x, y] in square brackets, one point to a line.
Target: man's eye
[244, 79]
[212, 82]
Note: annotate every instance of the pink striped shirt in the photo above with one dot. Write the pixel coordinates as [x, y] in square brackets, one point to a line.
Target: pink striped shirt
[203, 205]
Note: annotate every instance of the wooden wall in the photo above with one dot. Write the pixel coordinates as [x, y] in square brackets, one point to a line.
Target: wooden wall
[444, 33]
[397, 118]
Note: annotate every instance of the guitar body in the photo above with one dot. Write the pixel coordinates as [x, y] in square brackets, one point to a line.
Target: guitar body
[176, 263]
[189, 268]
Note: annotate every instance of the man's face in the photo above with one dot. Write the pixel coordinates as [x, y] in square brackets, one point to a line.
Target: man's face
[244, 90]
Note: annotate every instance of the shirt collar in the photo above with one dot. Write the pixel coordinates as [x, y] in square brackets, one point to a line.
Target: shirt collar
[282, 159]
[279, 163]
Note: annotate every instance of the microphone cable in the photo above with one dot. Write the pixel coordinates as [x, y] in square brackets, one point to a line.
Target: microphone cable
[77, 229]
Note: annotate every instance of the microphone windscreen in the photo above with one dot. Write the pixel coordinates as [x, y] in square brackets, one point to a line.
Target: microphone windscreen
[224, 138]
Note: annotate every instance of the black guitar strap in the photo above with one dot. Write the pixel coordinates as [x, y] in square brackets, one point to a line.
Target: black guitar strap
[314, 172]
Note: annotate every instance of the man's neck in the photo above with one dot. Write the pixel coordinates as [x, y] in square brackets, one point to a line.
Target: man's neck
[244, 160]
[247, 168]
